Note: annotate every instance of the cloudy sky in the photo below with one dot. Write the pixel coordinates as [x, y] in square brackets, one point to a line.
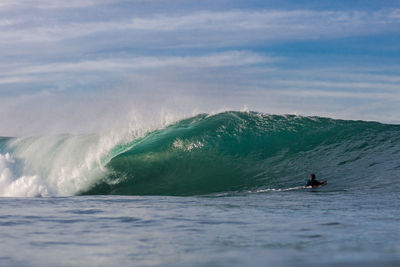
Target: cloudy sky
[74, 66]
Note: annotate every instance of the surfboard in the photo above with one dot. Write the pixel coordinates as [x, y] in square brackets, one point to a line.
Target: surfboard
[321, 185]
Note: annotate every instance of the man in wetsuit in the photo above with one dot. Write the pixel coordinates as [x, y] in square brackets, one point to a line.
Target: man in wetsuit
[314, 183]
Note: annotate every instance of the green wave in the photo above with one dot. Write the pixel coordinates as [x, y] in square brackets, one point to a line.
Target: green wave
[236, 151]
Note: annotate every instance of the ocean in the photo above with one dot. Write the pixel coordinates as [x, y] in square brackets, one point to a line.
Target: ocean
[225, 189]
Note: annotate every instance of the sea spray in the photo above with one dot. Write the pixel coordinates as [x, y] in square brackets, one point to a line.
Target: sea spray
[21, 186]
[62, 165]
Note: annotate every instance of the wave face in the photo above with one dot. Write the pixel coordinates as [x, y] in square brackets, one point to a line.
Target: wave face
[230, 151]
[235, 151]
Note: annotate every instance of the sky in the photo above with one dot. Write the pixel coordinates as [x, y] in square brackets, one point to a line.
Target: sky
[81, 65]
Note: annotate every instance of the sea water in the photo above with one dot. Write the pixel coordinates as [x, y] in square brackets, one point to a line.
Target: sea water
[316, 227]
[220, 190]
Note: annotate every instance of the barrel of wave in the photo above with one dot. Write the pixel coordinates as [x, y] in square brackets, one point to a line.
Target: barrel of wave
[238, 151]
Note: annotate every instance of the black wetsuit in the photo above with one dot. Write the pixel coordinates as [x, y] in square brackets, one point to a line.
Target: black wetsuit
[314, 183]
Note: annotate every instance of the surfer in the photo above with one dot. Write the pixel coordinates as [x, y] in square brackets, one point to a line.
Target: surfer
[314, 183]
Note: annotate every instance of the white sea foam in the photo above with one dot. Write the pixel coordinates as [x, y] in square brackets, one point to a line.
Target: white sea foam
[187, 146]
[277, 189]
[11, 184]
[63, 165]
[54, 165]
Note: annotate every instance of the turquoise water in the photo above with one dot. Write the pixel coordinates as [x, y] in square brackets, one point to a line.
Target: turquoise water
[243, 151]
[211, 190]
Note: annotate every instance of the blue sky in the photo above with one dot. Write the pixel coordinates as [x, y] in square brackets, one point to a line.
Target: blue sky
[65, 64]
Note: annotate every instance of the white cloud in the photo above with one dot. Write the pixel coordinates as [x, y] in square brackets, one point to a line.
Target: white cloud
[58, 45]
[394, 96]
[48, 4]
[339, 84]
[234, 26]
[18, 79]
[174, 85]
[215, 60]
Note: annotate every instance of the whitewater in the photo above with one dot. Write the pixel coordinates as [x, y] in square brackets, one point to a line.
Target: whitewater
[223, 189]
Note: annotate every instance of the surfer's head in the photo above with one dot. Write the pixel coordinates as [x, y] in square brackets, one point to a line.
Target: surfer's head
[312, 176]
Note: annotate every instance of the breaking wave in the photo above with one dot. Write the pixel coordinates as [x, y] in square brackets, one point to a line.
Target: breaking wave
[229, 151]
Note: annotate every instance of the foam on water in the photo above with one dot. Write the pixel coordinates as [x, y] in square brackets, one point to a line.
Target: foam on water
[63, 165]
[12, 184]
